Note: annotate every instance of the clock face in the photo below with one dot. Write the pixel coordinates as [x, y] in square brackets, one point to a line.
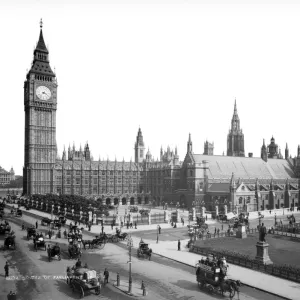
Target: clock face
[43, 93]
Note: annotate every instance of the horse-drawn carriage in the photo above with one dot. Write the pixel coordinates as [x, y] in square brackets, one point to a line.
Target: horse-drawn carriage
[56, 224]
[19, 213]
[62, 219]
[211, 275]
[10, 242]
[144, 250]
[4, 228]
[39, 242]
[53, 252]
[98, 242]
[31, 232]
[201, 223]
[74, 250]
[46, 222]
[83, 280]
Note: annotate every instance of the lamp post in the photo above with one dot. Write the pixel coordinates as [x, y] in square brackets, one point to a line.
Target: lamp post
[129, 245]
[157, 234]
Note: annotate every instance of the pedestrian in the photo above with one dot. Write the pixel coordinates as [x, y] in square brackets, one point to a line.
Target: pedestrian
[159, 229]
[131, 225]
[127, 224]
[179, 243]
[218, 231]
[102, 228]
[49, 234]
[206, 218]
[6, 269]
[215, 230]
[112, 226]
[106, 275]
[90, 226]
[270, 211]
[135, 225]
[36, 224]
[222, 227]
[122, 224]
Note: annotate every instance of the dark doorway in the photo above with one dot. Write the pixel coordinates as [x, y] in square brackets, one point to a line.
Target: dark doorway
[124, 201]
[108, 201]
[116, 201]
[139, 200]
[146, 200]
[132, 201]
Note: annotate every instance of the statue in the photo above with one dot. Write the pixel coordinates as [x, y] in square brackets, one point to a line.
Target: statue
[262, 233]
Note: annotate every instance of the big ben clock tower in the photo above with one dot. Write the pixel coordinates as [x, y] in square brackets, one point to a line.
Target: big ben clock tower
[40, 100]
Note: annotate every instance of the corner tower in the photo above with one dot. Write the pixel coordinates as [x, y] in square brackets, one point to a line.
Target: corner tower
[235, 137]
[40, 100]
[139, 148]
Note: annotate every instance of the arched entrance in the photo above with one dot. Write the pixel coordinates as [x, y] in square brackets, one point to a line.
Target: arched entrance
[116, 201]
[146, 200]
[132, 201]
[182, 201]
[124, 201]
[139, 200]
[108, 201]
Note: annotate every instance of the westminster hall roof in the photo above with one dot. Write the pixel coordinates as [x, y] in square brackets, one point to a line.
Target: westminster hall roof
[222, 167]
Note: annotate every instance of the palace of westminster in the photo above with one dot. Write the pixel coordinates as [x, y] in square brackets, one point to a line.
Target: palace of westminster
[230, 181]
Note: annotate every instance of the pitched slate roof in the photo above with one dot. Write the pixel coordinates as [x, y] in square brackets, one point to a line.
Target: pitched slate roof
[222, 167]
[219, 187]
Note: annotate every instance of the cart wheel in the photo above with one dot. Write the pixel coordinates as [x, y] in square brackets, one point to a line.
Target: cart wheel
[101, 246]
[231, 293]
[210, 289]
[81, 292]
[97, 291]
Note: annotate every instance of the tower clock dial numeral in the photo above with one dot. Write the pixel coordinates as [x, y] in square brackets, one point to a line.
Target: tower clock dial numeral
[43, 93]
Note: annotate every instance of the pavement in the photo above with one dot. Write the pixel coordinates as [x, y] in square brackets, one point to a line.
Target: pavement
[136, 290]
[274, 285]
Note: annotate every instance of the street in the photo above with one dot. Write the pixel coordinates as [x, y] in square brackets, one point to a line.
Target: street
[164, 278]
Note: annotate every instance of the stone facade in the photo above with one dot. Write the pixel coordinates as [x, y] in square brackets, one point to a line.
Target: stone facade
[6, 176]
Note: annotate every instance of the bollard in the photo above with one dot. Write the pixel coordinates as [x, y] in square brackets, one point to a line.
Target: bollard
[144, 291]
[118, 279]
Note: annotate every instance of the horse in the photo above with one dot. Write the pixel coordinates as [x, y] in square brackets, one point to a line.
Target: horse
[229, 285]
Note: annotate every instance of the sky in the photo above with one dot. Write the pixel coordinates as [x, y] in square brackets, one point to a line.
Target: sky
[170, 67]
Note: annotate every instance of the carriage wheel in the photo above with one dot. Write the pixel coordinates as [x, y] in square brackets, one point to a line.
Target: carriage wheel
[81, 292]
[210, 289]
[231, 293]
[97, 291]
[101, 246]
[59, 257]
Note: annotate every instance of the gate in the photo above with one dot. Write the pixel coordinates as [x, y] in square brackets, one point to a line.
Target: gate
[157, 218]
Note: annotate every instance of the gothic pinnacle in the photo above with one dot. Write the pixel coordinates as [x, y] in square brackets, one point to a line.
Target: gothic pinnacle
[41, 24]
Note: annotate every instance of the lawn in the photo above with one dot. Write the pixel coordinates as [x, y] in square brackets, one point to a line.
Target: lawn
[282, 250]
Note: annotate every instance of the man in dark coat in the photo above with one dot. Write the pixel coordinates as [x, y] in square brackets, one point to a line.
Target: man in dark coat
[179, 243]
[102, 228]
[36, 224]
[6, 269]
[106, 275]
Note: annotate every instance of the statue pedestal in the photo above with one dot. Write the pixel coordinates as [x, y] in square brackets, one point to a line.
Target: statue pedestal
[241, 232]
[262, 253]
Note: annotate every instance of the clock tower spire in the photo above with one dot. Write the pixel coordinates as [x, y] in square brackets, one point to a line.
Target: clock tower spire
[40, 101]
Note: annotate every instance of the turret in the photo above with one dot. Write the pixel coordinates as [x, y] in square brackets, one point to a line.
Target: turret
[189, 145]
[286, 152]
[263, 153]
[139, 147]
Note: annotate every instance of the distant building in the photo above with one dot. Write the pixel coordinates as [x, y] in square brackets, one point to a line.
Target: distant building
[6, 176]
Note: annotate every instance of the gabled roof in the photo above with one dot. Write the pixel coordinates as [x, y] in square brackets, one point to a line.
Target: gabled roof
[218, 187]
[222, 167]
